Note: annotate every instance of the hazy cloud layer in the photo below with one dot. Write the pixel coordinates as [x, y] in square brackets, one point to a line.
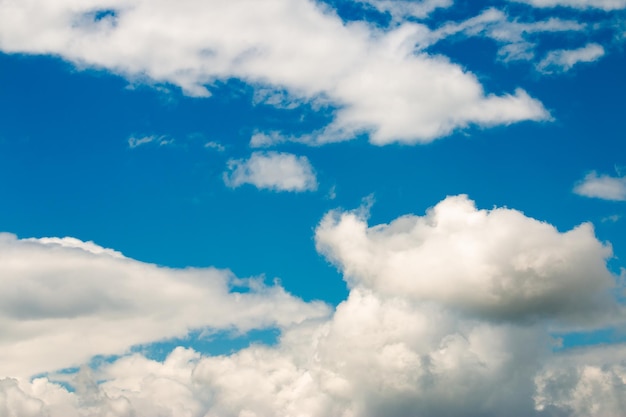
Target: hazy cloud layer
[376, 79]
[272, 170]
[64, 301]
[605, 187]
[394, 347]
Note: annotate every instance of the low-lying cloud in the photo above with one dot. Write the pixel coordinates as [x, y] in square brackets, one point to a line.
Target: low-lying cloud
[64, 301]
[450, 313]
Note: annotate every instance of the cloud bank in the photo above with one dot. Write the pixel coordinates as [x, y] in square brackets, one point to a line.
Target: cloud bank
[64, 301]
[450, 313]
[276, 171]
[376, 80]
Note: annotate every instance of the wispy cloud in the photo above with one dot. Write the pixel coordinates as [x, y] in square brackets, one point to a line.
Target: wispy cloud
[215, 145]
[135, 142]
[272, 170]
[517, 38]
[401, 9]
[578, 4]
[605, 187]
[564, 59]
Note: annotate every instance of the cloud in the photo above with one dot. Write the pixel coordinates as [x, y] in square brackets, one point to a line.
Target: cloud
[497, 264]
[564, 59]
[401, 9]
[391, 348]
[602, 186]
[215, 145]
[134, 142]
[64, 301]
[273, 171]
[515, 37]
[588, 381]
[374, 80]
[578, 4]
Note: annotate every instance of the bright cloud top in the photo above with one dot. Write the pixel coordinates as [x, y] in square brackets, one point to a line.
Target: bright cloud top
[496, 263]
[602, 186]
[272, 170]
[377, 81]
[64, 301]
[392, 348]
[564, 59]
[578, 4]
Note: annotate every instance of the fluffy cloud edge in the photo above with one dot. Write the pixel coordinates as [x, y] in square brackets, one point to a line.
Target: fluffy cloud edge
[475, 260]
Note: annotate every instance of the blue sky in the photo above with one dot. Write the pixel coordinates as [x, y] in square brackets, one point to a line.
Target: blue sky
[347, 208]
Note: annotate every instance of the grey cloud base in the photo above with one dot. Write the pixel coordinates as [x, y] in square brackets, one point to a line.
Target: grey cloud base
[449, 314]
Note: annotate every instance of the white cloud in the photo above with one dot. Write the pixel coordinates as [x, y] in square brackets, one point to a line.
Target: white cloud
[564, 59]
[64, 301]
[390, 349]
[134, 142]
[497, 264]
[588, 382]
[163, 140]
[272, 170]
[377, 81]
[602, 186]
[215, 145]
[400, 9]
[514, 36]
[578, 4]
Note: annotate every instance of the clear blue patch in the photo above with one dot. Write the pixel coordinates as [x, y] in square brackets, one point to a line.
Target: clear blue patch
[104, 14]
[590, 338]
[214, 344]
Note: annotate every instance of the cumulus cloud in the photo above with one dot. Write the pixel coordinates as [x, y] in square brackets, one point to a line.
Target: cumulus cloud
[64, 301]
[272, 170]
[587, 382]
[498, 264]
[602, 186]
[578, 4]
[563, 60]
[376, 80]
[394, 347]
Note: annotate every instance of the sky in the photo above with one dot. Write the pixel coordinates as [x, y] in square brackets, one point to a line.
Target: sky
[299, 208]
